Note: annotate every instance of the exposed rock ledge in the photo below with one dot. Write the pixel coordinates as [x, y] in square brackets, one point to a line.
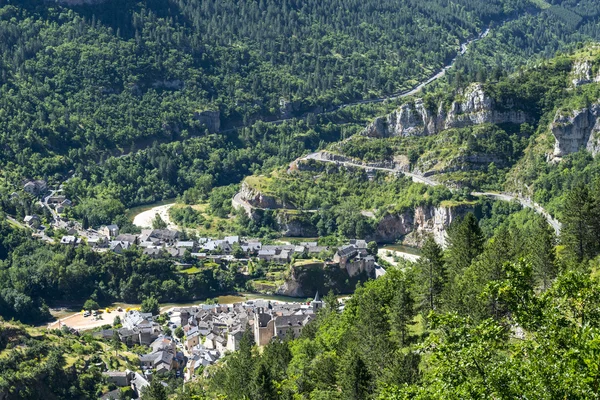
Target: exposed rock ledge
[414, 119]
[257, 199]
[579, 129]
[413, 226]
[581, 73]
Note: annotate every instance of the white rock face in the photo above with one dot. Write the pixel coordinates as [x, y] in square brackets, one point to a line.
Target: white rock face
[416, 120]
[581, 73]
[408, 120]
[573, 132]
[415, 225]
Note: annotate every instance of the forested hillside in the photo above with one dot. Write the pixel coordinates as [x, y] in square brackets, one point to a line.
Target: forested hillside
[512, 316]
[81, 83]
[76, 82]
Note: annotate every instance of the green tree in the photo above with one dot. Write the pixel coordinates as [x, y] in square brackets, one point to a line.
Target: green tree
[355, 379]
[236, 376]
[116, 342]
[577, 232]
[158, 223]
[372, 248]
[155, 391]
[431, 274]
[150, 305]
[90, 305]
[465, 242]
[179, 332]
[402, 314]
[541, 246]
[467, 296]
[262, 384]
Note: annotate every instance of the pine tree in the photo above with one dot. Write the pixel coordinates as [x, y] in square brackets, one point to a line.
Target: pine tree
[432, 273]
[467, 298]
[262, 385]
[541, 253]
[402, 314]
[578, 232]
[355, 380]
[465, 242]
[156, 391]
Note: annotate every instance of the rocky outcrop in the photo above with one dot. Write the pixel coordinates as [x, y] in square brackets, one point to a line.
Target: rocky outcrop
[576, 130]
[581, 74]
[413, 226]
[211, 119]
[258, 199]
[475, 107]
[305, 279]
[294, 225]
[291, 288]
[411, 119]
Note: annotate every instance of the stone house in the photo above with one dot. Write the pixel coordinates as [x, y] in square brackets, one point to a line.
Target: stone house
[110, 231]
[35, 188]
[233, 340]
[32, 221]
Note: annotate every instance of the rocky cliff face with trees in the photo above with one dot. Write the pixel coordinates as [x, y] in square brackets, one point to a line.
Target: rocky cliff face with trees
[472, 106]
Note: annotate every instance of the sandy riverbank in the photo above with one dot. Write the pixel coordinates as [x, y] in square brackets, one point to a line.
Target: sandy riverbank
[145, 218]
[383, 254]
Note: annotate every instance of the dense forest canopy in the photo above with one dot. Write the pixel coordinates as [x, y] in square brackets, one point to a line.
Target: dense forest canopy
[81, 83]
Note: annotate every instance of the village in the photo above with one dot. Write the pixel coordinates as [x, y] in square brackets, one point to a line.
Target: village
[184, 341]
[179, 246]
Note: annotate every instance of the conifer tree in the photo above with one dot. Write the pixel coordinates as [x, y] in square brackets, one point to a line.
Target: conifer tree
[541, 253]
[465, 242]
[262, 385]
[431, 274]
[578, 232]
[356, 380]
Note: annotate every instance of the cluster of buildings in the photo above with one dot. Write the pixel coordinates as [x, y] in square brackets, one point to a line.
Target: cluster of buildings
[158, 242]
[210, 331]
[213, 330]
[35, 187]
[355, 258]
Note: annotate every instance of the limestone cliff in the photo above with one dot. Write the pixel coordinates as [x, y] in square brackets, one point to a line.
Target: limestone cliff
[582, 73]
[296, 225]
[258, 199]
[306, 278]
[576, 130]
[474, 107]
[413, 226]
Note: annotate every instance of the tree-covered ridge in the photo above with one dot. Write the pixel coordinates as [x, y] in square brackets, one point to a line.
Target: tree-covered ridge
[77, 82]
[38, 364]
[511, 156]
[331, 200]
[324, 186]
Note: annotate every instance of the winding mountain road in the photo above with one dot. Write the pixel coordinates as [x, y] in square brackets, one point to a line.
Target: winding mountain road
[322, 156]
